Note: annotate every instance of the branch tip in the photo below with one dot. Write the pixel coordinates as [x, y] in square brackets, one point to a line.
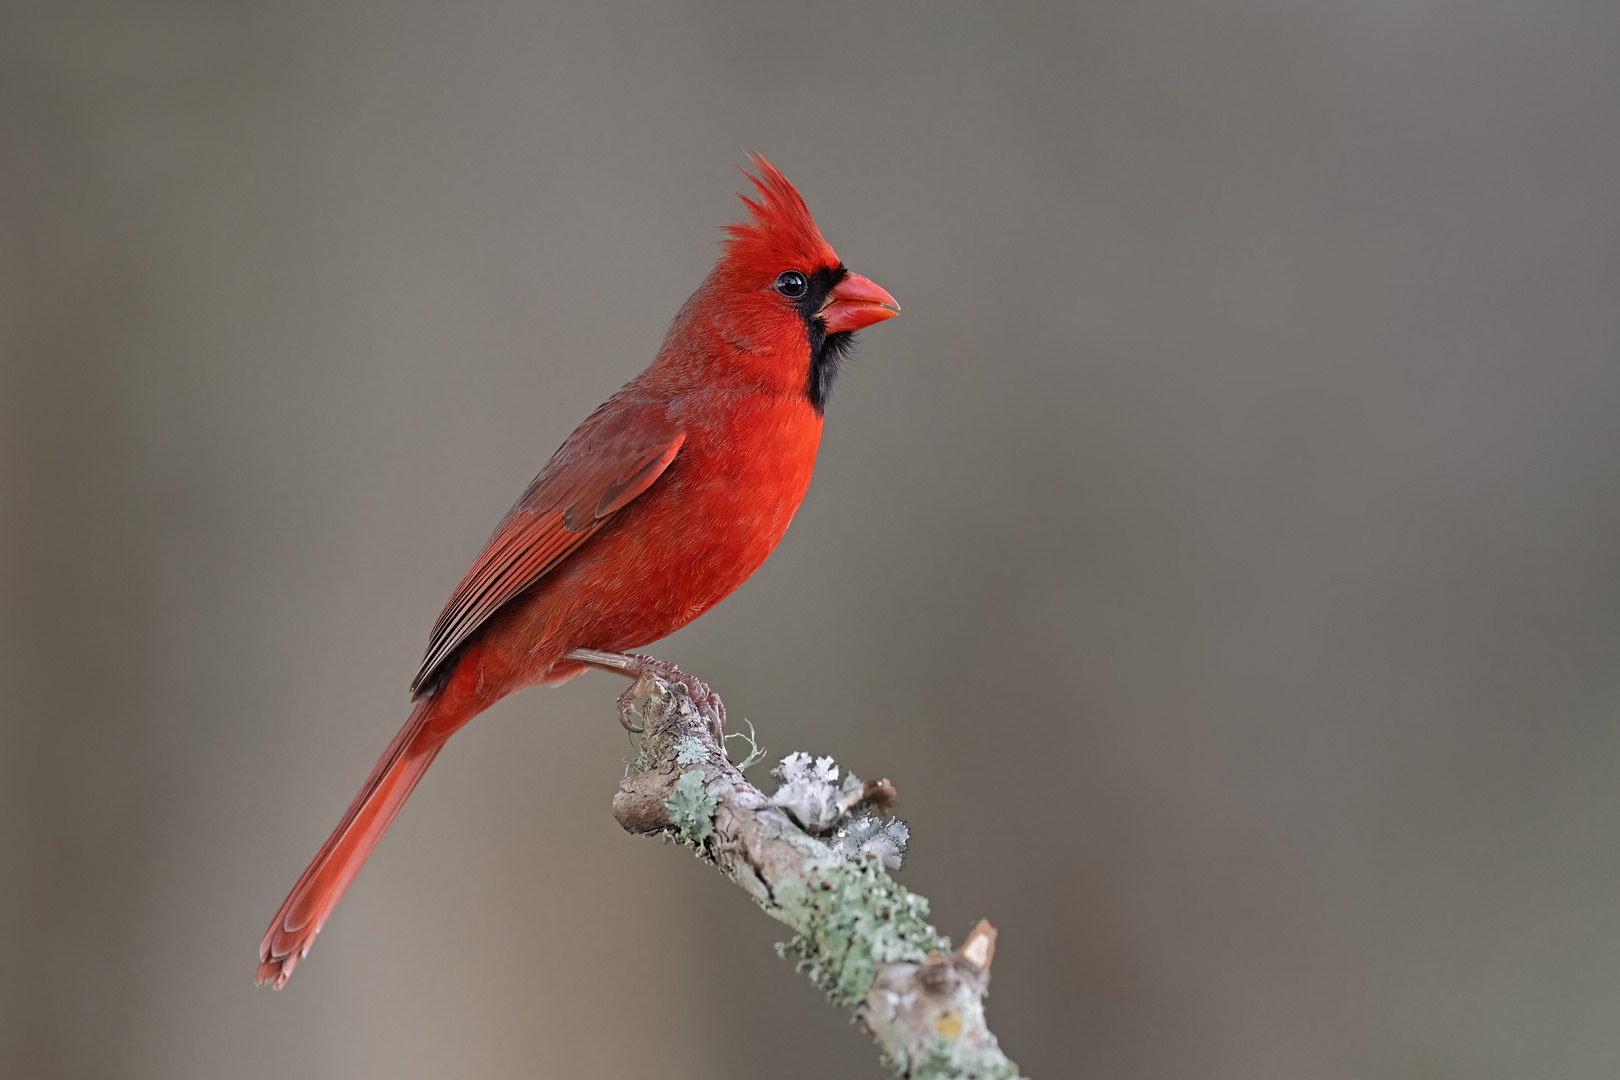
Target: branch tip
[980, 947]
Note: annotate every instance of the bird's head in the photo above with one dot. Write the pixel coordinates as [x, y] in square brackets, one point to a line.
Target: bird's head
[787, 292]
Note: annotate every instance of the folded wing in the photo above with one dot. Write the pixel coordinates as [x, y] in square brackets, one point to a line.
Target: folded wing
[613, 457]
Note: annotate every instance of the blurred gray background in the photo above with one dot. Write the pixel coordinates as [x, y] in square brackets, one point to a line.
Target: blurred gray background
[1221, 554]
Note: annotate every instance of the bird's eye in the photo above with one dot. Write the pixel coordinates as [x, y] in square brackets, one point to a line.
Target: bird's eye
[792, 284]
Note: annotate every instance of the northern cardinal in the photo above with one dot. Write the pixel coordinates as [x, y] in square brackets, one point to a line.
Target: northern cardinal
[660, 504]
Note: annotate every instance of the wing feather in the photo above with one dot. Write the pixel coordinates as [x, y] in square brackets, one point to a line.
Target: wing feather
[614, 456]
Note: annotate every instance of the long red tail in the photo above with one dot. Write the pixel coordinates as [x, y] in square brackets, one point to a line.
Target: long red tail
[304, 911]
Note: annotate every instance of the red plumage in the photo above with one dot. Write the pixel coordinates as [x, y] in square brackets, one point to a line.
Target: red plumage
[660, 504]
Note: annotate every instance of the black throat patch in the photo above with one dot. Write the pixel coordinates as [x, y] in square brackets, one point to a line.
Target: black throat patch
[827, 351]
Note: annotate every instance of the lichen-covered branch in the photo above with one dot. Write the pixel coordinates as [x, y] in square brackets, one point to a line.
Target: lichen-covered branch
[813, 855]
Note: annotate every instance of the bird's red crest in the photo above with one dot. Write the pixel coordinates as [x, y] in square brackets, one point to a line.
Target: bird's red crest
[780, 234]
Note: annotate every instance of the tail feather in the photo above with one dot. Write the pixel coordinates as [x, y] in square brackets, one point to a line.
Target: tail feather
[306, 908]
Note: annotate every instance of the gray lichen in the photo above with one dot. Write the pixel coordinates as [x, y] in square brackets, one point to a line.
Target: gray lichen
[691, 807]
[756, 752]
[944, 1059]
[866, 836]
[850, 918]
[689, 750]
[643, 760]
[809, 790]
[822, 806]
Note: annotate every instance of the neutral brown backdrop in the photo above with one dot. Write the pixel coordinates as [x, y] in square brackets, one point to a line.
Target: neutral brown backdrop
[1221, 554]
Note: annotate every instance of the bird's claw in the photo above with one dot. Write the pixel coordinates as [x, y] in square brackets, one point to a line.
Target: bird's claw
[643, 669]
[627, 706]
[706, 700]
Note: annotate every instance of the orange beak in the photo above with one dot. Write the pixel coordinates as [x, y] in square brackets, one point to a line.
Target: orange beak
[856, 302]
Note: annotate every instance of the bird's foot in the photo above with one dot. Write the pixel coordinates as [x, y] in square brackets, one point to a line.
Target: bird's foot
[643, 669]
[627, 707]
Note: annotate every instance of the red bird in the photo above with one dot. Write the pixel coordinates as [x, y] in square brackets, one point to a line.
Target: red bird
[660, 504]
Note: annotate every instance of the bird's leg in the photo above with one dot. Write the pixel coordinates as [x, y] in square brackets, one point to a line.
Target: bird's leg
[642, 669]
